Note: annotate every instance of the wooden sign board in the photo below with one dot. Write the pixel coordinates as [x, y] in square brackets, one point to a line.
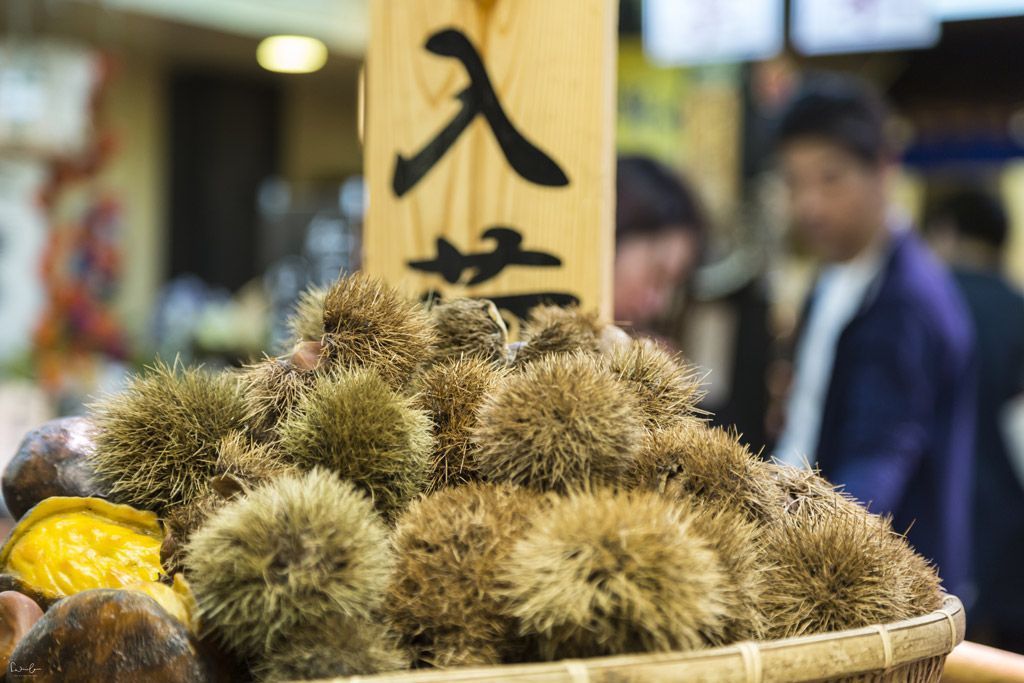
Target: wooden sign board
[490, 149]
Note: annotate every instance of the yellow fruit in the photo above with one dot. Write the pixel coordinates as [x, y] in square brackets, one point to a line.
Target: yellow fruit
[66, 545]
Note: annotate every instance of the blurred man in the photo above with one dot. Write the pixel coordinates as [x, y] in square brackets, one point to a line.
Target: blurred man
[969, 230]
[883, 393]
[659, 235]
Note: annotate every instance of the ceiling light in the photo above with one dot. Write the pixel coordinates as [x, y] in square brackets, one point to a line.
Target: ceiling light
[291, 54]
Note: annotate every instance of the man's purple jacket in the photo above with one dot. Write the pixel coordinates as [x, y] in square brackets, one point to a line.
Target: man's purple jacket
[897, 429]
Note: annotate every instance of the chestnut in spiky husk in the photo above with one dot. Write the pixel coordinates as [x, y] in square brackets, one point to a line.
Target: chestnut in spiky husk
[180, 522]
[737, 542]
[337, 648]
[667, 388]
[564, 422]
[286, 557]
[444, 596]
[369, 324]
[607, 574]
[802, 489]
[272, 389]
[241, 464]
[306, 323]
[354, 423]
[248, 462]
[451, 393]
[156, 442]
[710, 465]
[469, 328]
[553, 329]
[834, 572]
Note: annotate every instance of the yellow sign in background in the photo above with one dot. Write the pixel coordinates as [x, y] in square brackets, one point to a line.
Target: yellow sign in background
[689, 118]
[490, 149]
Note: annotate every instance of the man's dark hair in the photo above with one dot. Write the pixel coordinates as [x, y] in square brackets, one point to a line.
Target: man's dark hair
[975, 214]
[839, 109]
[650, 198]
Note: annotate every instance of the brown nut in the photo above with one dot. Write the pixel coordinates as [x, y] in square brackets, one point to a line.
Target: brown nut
[307, 354]
[52, 460]
[18, 613]
[108, 636]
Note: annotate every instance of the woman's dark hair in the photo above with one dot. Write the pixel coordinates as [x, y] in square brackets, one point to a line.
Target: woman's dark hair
[975, 214]
[840, 109]
[651, 198]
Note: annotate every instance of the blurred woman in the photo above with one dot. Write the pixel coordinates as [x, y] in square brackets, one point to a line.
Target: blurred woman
[659, 236]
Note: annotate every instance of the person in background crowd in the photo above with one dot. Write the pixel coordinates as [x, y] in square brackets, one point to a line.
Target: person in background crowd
[883, 393]
[659, 237]
[969, 230]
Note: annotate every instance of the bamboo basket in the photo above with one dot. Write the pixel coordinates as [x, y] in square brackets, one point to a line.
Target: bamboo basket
[911, 651]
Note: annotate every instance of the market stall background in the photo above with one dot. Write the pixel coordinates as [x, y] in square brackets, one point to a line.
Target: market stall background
[162, 193]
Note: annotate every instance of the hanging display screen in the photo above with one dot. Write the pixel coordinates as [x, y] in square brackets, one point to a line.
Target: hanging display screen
[712, 31]
[977, 9]
[835, 26]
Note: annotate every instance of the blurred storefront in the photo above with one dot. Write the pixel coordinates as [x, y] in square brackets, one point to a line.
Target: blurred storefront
[142, 145]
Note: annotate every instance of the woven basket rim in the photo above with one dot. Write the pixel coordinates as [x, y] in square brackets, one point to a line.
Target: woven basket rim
[873, 649]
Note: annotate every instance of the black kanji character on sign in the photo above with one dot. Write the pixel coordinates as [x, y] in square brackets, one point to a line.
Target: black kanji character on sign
[478, 98]
[450, 263]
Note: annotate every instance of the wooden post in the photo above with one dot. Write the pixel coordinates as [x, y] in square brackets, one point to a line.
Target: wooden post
[490, 149]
